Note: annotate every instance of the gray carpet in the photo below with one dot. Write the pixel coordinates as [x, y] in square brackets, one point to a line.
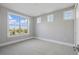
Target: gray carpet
[36, 47]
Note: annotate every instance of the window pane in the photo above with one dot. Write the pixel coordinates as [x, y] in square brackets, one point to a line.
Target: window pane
[68, 15]
[39, 20]
[17, 24]
[50, 18]
[23, 25]
[13, 24]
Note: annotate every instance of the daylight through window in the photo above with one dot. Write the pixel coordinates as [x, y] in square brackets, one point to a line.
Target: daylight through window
[68, 15]
[17, 24]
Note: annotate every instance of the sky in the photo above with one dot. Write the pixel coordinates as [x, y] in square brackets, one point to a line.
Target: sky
[15, 20]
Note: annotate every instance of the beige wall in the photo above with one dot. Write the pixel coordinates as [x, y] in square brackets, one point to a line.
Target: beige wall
[3, 26]
[59, 30]
[77, 24]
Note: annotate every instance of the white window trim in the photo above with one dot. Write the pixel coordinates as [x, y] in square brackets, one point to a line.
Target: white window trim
[18, 34]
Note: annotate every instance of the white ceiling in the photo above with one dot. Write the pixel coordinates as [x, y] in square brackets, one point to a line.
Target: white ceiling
[36, 9]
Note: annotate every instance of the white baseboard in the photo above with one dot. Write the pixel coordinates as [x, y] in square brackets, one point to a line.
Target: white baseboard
[15, 41]
[49, 40]
[57, 42]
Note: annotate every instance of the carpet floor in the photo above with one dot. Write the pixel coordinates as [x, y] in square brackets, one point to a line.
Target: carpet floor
[36, 47]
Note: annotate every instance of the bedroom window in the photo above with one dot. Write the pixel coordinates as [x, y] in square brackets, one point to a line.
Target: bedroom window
[69, 15]
[50, 18]
[39, 20]
[17, 24]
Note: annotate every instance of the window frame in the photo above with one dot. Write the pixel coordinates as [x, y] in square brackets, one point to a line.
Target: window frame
[21, 34]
